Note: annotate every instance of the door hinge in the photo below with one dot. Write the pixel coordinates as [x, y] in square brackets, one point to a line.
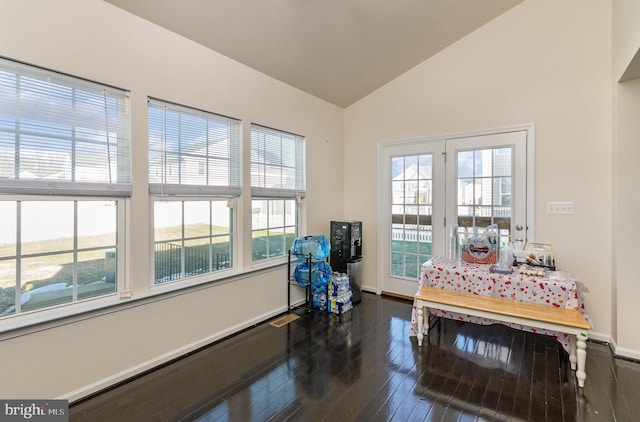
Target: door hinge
[444, 155]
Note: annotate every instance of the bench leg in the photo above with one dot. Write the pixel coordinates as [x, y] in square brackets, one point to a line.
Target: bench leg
[572, 353]
[420, 322]
[581, 357]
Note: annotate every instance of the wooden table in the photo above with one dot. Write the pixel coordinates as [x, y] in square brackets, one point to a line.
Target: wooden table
[534, 315]
[557, 289]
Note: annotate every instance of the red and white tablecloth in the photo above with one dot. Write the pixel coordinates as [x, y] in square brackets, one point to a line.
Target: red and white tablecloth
[557, 289]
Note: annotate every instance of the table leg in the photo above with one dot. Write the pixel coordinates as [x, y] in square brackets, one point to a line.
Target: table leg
[420, 322]
[572, 352]
[582, 357]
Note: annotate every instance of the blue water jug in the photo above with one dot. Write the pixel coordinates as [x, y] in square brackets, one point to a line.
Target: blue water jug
[318, 246]
[320, 273]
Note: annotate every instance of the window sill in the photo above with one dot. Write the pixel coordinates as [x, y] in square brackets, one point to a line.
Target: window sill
[191, 282]
[270, 262]
[44, 319]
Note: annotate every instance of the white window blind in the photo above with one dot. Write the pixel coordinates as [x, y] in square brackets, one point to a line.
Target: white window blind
[277, 163]
[192, 152]
[62, 135]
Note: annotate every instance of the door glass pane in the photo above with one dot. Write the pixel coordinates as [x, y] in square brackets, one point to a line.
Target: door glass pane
[502, 162]
[484, 190]
[411, 211]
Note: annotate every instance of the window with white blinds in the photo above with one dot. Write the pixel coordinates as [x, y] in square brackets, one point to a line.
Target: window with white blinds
[192, 152]
[62, 135]
[277, 182]
[277, 163]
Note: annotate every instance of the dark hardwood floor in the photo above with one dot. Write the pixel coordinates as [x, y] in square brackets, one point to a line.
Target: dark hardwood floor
[363, 366]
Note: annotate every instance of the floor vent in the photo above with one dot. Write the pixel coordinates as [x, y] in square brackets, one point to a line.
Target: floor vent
[280, 322]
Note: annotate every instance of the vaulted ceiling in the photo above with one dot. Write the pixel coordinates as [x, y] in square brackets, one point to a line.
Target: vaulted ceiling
[337, 50]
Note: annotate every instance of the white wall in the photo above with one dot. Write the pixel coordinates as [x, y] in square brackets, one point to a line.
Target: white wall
[97, 41]
[542, 62]
[626, 155]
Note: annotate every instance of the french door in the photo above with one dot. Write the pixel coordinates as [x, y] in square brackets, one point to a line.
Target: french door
[427, 187]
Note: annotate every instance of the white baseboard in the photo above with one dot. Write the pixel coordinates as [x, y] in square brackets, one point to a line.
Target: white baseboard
[627, 353]
[617, 351]
[613, 345]
[606, 338]
[167, 357]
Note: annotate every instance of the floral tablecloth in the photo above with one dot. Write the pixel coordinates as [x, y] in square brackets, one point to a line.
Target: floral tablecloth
[557, 289]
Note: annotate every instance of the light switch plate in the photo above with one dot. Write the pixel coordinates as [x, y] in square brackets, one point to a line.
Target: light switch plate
[559, 207]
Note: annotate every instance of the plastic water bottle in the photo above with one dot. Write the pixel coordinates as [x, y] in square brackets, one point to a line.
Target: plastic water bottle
[318, 246]
[340, 304]
[339, 284]
[319, 301]
[344, 284]
[506, 255]
[454, 244]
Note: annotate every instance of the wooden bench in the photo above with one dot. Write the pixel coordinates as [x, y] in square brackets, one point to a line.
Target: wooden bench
[569, 321]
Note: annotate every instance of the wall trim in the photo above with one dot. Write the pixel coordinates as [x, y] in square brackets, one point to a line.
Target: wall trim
[601, 337]
[626, 353]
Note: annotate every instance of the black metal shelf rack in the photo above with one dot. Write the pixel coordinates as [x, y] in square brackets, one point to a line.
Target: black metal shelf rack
[292, 281]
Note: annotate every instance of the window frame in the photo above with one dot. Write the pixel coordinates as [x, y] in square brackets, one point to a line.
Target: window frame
[122, 286]
[204, 277]
[78, 119]
[269, 213]
[261, 192]
[179, 192]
